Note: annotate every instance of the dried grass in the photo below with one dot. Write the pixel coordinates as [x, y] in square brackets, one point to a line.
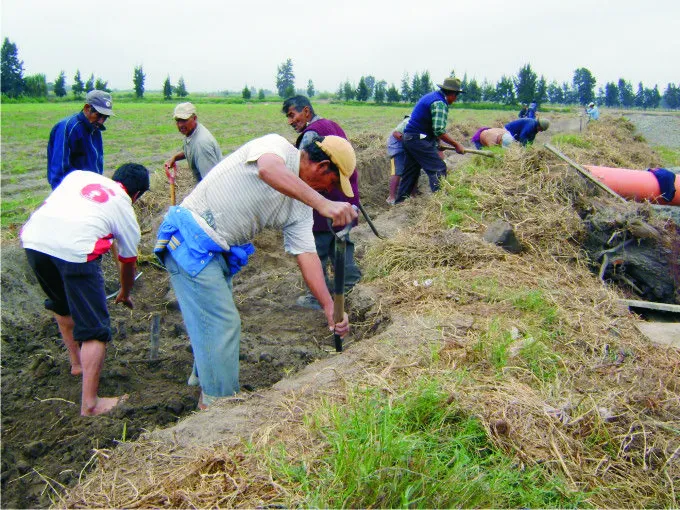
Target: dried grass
[608, 421]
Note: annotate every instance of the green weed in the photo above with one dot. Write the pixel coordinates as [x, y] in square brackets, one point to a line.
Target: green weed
[669, 156]
[415, 450]
[571, 139]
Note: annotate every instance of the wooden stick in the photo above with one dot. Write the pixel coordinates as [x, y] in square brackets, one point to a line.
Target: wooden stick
[585, 173]
[155, 332]
[488, 154]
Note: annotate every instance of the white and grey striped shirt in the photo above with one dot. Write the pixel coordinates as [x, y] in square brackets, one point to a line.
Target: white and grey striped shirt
[232, 204]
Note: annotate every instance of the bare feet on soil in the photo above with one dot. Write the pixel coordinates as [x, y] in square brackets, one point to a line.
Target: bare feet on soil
[104, 405]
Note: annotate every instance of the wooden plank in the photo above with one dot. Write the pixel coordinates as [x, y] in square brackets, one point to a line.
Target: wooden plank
[666, 307]
[584, 172]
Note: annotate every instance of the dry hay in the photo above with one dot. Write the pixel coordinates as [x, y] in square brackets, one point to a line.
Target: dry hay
[607, 420]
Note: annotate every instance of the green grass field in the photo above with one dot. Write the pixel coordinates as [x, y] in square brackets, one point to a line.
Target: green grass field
[145, 133]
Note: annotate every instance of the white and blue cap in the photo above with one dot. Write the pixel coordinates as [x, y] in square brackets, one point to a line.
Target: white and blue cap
[100, 101]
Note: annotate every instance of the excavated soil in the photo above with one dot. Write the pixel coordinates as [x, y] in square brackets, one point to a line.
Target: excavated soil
[45, 442]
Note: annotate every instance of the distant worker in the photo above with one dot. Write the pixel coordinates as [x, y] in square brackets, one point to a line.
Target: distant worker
[64, 241]
[531, 111]
[76, 142]
[422, 134]
[395, 151]
[524, 130]
[302, 118]
[265, 184]
[523, 111]
[489, 137]
[200, 148]
[593, 112]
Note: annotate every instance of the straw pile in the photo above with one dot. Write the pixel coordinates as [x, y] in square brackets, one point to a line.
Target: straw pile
[592, 402]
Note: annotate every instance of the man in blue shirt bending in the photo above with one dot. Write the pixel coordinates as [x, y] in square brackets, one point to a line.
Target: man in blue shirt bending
[525, 130]
[76, 141]
[425, 129]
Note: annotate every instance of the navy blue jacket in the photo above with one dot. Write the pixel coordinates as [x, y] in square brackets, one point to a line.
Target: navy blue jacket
[523, 130]
[75, 144]
[421, 117]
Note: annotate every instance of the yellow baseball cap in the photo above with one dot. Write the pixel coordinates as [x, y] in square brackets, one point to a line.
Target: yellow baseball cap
[342, 155]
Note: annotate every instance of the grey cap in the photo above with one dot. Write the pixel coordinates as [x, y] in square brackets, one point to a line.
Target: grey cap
[100, 101]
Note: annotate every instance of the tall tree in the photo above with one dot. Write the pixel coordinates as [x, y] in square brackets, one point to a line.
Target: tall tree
[285, 78]
[525, 84]
[640, 96]
[380, 91]
[100, 84]
[260, 95]
[488, 91]
[370, 84]
[416, 91]
[138, 80]
[362, 90]
[245, 93]
[473, 92]
[35, 85]
[89, 84]
[393, 95]
[310, 89]
[584, 83]
[78, 86]
[426, 84]
[555, 93]
[671, 96]
[181, 88]
[505, 90]
[541, 91]
[60, 85]
[11, 70]
[348, 91]
[626, 94]
[167, 89]
[652, 97]
[405, 88]
[611, 94]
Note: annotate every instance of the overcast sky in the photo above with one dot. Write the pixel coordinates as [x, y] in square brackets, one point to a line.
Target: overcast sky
[225, 44]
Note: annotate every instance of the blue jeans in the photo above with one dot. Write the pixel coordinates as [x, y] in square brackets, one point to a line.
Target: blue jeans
[213, 324]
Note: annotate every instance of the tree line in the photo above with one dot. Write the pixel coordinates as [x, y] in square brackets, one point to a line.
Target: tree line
[524, 87]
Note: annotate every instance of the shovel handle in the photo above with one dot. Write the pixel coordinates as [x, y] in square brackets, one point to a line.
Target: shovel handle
[172, 193]
[338, 316]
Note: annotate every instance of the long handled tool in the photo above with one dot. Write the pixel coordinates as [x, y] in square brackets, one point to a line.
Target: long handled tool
[339, 294]
[488, 154]
[172, 176]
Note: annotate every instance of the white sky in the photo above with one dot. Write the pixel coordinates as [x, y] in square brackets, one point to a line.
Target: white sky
[225, 44]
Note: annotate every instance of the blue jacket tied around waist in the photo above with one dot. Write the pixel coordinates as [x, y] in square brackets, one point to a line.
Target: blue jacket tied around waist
[191, 247]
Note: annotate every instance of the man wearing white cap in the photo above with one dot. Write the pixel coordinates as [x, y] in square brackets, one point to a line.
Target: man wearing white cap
[76, 141]
[203, 242]
[200, 148]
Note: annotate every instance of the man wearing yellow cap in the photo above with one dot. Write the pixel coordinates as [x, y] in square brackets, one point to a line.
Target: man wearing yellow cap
[266, 183]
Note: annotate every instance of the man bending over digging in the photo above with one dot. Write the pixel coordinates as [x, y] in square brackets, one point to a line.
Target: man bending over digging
[64, 242]
[266, 183]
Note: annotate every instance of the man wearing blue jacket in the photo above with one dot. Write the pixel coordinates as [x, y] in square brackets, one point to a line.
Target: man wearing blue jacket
[76, 141]
[422, 134]
[525, 130]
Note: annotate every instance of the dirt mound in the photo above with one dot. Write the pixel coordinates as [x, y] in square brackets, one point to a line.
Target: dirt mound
[279, 339]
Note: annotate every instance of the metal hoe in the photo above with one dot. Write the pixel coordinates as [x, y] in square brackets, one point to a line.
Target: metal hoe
[339, 269]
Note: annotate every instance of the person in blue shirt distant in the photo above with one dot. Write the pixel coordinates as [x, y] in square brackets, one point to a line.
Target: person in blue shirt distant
[76, 142]
[593, 112]
[531, 112]
[525, 130]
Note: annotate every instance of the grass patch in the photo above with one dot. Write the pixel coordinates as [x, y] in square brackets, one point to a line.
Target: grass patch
[571, 139]
[669, 156]
[414, 450]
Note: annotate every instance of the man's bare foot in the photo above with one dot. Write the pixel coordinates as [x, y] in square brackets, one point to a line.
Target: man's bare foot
[201, 405]
[76, 370]
[103, 405]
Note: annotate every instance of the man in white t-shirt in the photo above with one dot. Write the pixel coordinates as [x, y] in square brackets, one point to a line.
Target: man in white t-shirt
[267, 183]
[64, 241]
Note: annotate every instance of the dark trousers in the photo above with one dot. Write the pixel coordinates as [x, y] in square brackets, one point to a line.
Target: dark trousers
[325, 248]
[420, 153]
